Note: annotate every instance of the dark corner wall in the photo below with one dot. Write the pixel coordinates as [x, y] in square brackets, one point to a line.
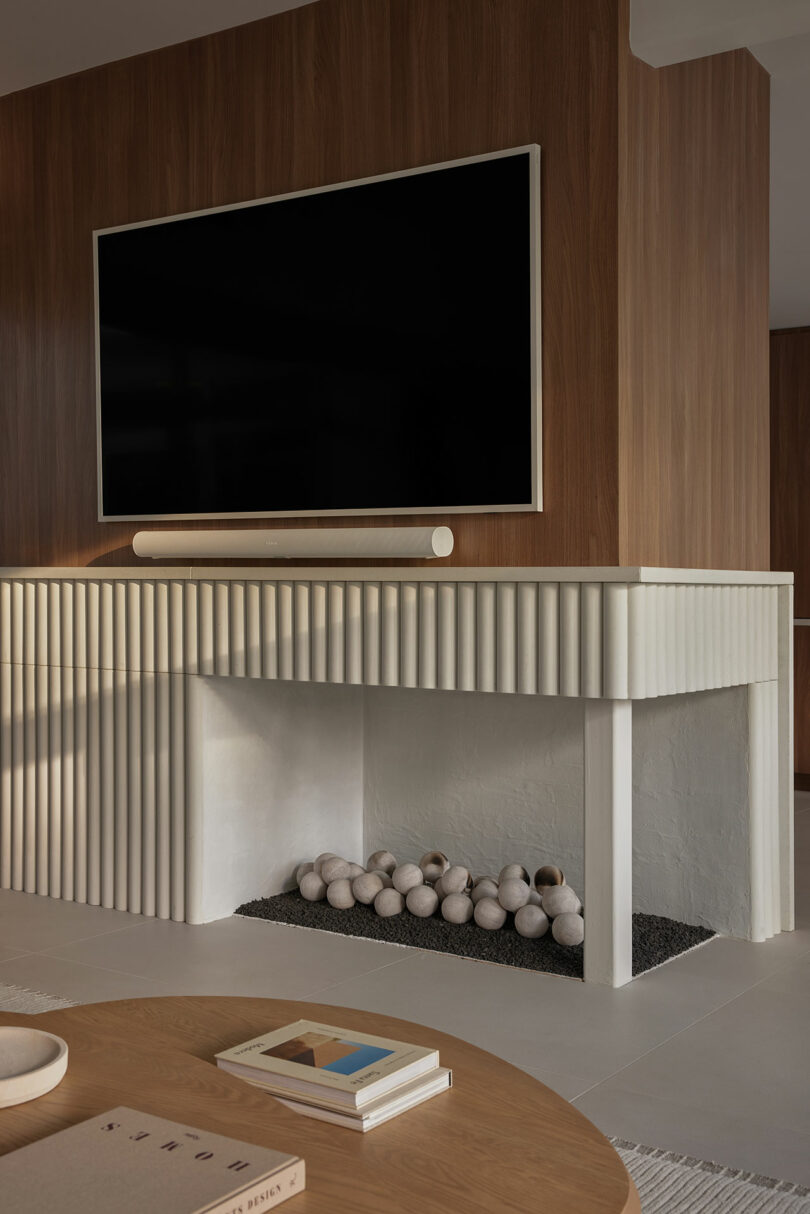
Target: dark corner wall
[790, 508]
[654, 251]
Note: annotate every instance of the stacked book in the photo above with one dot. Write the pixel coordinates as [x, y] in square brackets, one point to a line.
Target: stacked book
[338, 1075]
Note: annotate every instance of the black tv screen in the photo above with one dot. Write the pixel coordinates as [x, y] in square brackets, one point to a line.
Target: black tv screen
[364, 348]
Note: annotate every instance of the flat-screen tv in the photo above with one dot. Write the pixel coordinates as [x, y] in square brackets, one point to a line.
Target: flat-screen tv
[370, 347]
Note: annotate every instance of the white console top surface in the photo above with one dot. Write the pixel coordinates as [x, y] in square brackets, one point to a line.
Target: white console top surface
[630, 574]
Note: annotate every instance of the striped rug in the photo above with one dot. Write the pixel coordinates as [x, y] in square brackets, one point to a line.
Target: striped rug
[18, 999]
[677, 1184]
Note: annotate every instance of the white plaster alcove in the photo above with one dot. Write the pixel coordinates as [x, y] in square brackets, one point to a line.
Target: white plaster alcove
[166, 733]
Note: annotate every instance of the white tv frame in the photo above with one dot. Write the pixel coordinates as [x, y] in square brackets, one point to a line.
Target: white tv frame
[536, 503]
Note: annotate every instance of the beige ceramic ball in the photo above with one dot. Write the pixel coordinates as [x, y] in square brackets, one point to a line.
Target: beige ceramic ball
[513, 872]
[433, 864]
[383, 860]
[387, 883]
[549, 874]
[407, 876]
[365, 887]
[422, 901]
[560, 900]
[488, 888]
[302, 871]
[388, 902]
[339, 894]
[456, 879]
[319, 860]
[355, 870]
[439, 889]
[312, 887]
[568, 928]
[485, 877]
[457, 908]
[534, 898]
[513, 893]
[489, 914]
[531, 921]
[335, 869]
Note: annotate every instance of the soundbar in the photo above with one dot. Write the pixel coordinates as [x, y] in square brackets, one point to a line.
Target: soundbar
[311, 542]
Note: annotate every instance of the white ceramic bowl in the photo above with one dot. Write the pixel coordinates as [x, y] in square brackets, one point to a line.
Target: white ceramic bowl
[31, 1063]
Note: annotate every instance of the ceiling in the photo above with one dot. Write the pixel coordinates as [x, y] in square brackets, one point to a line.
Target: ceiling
[44, 39]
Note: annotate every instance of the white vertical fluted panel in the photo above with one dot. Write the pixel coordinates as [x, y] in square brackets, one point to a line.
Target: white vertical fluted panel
[354, 632]
[591, 640]
[270, 630]
[446, 633]
[409, 634]
[548, 638]
[177, 812]
[236, 631]
[302, 664]
[506, 642]
[337, 632]
[389, 675]
[467, 648]
[569, 639]
[617, 641]
[121, 784]
[30, 809]
[134, 764]
[253, 630]
[56, 841]
[191, 628]
[17, 776]
[93, 691]
[207, 657]
[163, 754]
[485, 627]
[527, 659]
[286, 643]
[7, 757]
[427, 634]
[318, 610]
[371, 634]
[222, 630]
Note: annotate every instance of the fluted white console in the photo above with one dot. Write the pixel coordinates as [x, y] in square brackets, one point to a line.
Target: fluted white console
[98, 742]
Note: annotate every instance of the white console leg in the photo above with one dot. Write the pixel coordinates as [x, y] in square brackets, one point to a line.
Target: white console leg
[766, 877]
[608, 893]
[785, 757]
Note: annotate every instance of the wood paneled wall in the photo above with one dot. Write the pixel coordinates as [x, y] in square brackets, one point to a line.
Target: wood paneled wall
[347, 88]
[693, 313]
[325, 93]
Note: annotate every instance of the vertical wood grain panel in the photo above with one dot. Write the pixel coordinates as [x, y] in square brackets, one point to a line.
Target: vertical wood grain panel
[790, 461]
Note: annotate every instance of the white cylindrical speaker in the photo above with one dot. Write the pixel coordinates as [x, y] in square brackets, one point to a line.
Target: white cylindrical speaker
[311, 542]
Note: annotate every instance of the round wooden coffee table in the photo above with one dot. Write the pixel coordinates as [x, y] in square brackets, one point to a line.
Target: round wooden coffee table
[497, 1141]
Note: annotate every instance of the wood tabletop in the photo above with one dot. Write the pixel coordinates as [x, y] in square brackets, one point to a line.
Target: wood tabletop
[497, 1141]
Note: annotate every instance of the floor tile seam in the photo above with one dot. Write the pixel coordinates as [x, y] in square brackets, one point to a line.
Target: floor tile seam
[701, 1107]
[95, 936]
[19, 956]
[104, 969]
[322, 990]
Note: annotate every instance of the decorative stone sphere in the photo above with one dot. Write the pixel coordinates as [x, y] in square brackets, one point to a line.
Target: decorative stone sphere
[457, 908]
[385, 877]
[355, 870]
[422, 901]
[534, 898]
[433, 864]
[549, 874]
[318, 861]
[313, 887]
[531, 921]
[513, 872]
[456, 879]
[560, 900]
[366, 886]
[488, 888]
[407, 876]
[513, 893]
[489, 914]
[335, 869]
[439, 890]
[568, 928]
[487, 877]
[302, 871]
[388, 902]
[339, 894]
[383, 860]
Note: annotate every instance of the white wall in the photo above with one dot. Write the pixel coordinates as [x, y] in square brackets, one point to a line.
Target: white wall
[281, 773]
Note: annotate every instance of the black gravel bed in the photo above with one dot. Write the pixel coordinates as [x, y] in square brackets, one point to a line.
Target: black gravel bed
[655, 939]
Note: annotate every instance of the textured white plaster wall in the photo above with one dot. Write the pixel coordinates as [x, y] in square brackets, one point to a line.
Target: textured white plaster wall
[281, 774]
[487, 779]
[690, 807]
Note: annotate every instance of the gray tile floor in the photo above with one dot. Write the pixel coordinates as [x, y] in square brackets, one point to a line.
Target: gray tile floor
[708, 1055]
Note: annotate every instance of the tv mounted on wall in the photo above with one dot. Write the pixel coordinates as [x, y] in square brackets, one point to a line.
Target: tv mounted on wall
[371, 347]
